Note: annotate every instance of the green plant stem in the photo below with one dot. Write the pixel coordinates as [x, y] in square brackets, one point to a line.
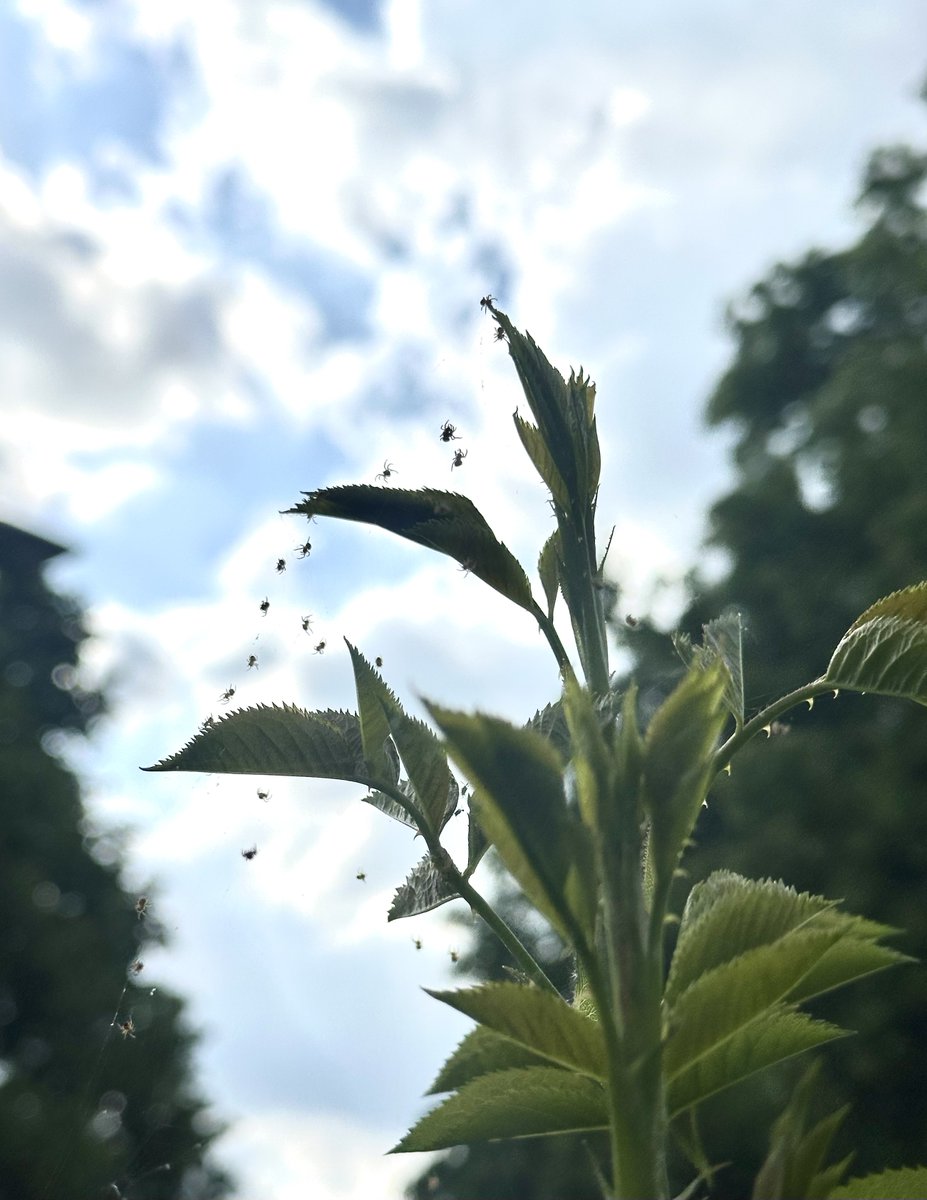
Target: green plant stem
[764, 719]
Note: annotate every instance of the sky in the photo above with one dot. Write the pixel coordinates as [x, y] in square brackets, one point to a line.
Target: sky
[242, 247]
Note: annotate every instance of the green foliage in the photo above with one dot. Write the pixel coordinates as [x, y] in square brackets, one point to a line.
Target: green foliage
[591, 815]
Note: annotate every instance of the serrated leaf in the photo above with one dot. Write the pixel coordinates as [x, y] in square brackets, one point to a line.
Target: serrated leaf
[724, 638]
[549, 570]
[391, 808]
[442, 521]
[726, 915]
[522, 1102]
[906, 1183]
[729, 998]
[779, 1034]
[537, 1020]
[520, 803]
[425, 761]
[551, 723]
[536, 449]
[426, 888]
[847, 960]
[885, 650]
[794, 1165]
[481, 1052]
[277, 740]
[677, 766]
[373, 698]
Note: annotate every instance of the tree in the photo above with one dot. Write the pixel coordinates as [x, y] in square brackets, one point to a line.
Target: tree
[86, 1108]
[827, 392]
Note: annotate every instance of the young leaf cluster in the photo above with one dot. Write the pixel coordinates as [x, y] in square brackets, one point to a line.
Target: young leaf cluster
[591, 814]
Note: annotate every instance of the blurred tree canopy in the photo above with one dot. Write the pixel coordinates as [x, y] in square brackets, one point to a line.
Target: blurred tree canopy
[84, 1110]
[827, 393]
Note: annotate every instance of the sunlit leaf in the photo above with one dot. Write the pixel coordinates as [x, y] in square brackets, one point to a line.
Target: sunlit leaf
[538, 1020]
[521, 806]
[778, 1034]
[481, 1052]
[521, 1102]
[677, 767]
[906, 1183]
[885, 650]
[729, 998]
[549, 570]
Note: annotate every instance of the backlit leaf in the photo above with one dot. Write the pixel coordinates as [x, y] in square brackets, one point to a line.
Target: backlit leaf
[885, 650]
[521, 1102]
[442, 521]
[538, 1020]
[425, 889]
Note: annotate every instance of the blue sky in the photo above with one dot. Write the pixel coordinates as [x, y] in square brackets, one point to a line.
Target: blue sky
[242, 246]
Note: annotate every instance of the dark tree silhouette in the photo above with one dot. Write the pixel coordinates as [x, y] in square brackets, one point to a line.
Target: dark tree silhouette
[86, 1109]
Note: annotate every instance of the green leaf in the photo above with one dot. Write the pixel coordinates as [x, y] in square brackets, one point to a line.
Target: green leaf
[726, 915]
[275, 740]
[382, 717]
[847, 960]
[677, 767]
[509, 1104]
[425, 889]
[535, 447]
[794, 1165]
[373, 700]
[442, 521]
[477, 841]
[551, 723]
[392, 808]
[537, 1020]
[885, 650]
[481, 1052]
[724, 638]
[729, 998]
[907, 1183]
[549, 570]
[520, 803]
[778, 1034]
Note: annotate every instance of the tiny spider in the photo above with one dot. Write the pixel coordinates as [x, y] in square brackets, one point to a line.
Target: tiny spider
[207, 724]
[304, 550]
[252, 661]
[379, 661]
[262, 795]
[141, 906]
[265, 605]
[418, 943]
[137, 967]
[487, 302]
[449, 433]
[307, 624]
[228, 694]
[631, 622]
[361, 875]
[281, 565]
[499, 335]
[249, 854]
[127, 1028]
[466, 566]
[455, 957]
[459, 456]
[320, 648]
[387, 472]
